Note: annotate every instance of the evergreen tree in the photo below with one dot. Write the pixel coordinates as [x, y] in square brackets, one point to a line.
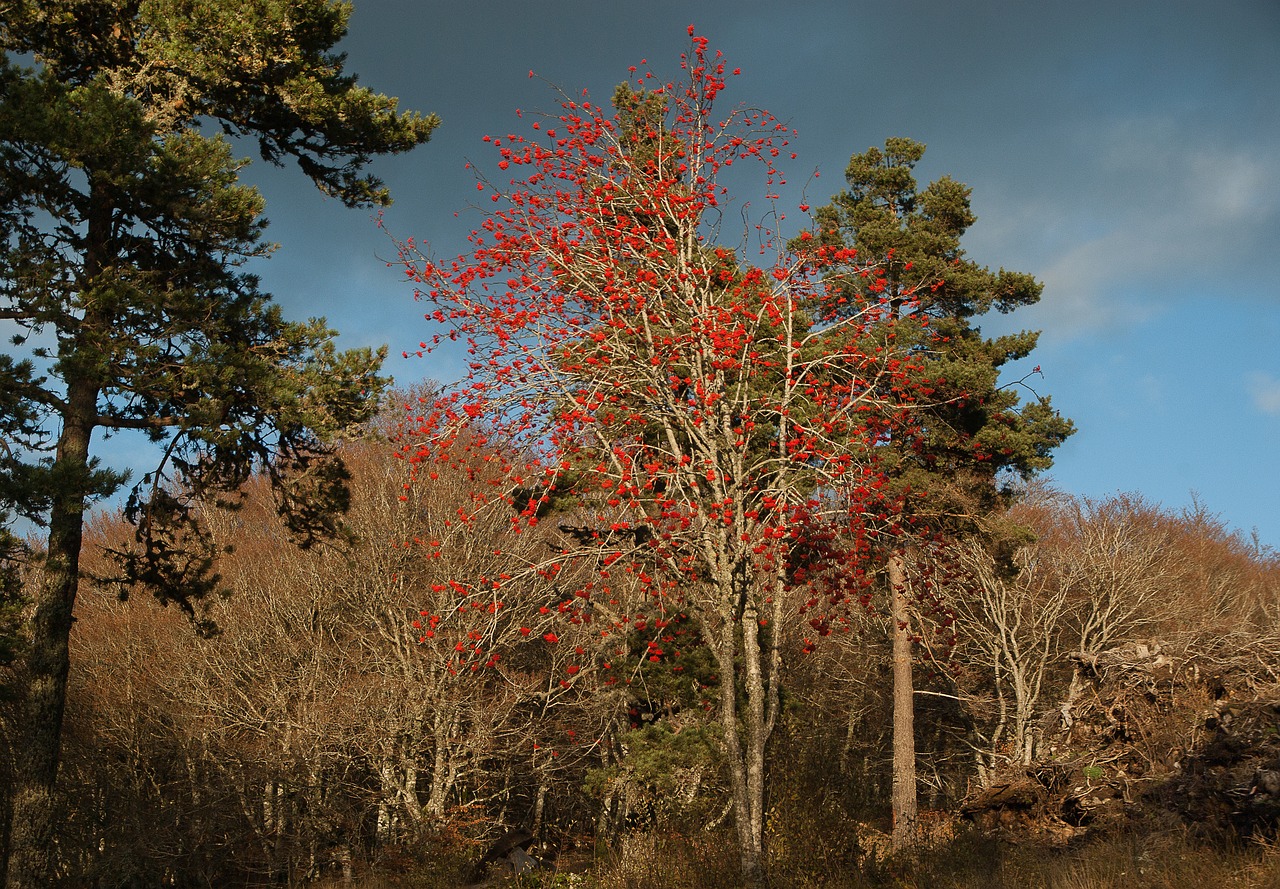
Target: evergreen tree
[124, 231]
[971, 428]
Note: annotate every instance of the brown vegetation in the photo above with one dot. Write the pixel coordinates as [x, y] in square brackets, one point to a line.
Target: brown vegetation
[1110, 707]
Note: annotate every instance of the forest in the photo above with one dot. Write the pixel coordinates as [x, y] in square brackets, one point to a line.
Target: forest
[731, 558]
[1110, 703]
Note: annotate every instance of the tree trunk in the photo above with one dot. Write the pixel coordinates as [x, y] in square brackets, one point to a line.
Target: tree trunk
[746, 733]
[757, 732]
[539, 806]
[32, 843]
[388, 795]
[444, 762]
[904, 736]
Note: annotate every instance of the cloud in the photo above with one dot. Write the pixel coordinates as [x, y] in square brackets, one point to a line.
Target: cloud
[1145, 201]
[1265, 391]
[1232, 187]
[1181, 172]
[1080, 288]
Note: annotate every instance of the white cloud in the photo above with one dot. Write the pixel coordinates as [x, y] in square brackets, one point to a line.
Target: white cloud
[1161, 177]
[1151, 201]
[1231, 187]
[1265, 391]
[1081, 288]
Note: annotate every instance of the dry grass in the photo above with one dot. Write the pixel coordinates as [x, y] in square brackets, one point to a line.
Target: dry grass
[649, 861]
[970, 861]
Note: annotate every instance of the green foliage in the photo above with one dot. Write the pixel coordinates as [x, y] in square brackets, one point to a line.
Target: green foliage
[674, 667]
[123, 234]
[124, 226]
[972, 426]
[656, 757]
[667, 777]
[12, 554]
[263, 69]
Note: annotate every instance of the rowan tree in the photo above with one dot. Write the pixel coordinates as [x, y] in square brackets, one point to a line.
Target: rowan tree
[123, 231]
[686, 391]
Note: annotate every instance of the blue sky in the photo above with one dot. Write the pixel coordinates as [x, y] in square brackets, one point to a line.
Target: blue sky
[1125, 153]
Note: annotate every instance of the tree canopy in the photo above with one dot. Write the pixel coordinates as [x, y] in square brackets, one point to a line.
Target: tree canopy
[971, 425]
[707, 414]
[124, 229]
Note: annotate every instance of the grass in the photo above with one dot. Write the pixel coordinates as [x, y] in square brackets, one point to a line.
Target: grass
[970, 861]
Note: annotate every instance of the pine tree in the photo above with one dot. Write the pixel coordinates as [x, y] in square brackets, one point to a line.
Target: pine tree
[974, 427]
[972, 430]
[125, 229]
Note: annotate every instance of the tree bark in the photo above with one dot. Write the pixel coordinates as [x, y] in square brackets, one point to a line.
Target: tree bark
[31, 842]
[740, 741]
[31, 863]
[905, 810]
[751, 834]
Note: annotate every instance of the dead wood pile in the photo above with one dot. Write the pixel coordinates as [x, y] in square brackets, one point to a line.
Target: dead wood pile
[1162, 733]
